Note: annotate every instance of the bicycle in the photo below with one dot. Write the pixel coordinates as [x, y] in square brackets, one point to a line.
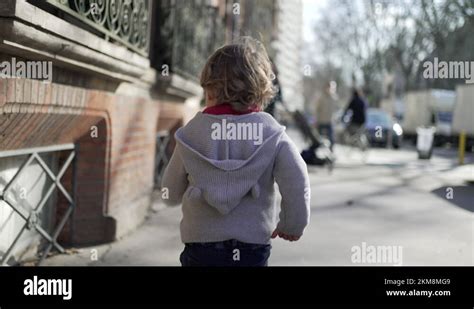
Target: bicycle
[354, 136]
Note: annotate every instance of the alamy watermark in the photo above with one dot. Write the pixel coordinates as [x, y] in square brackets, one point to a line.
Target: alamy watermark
[48, 287]
[40, 70]
[449, 70]
[237, 131]
[372, 254]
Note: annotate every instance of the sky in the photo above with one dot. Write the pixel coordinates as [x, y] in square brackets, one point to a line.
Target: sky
[311, 12]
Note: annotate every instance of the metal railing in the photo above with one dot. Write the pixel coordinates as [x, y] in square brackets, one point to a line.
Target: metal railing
[30, 218]
[124, 21]
[189, 31]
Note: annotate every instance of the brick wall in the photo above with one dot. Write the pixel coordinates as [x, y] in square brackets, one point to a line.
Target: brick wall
[114, 169]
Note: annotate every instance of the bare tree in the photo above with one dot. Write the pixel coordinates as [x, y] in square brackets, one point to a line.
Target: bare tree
[368, 38]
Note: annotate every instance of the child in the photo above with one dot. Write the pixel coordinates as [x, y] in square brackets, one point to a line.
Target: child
[225, 164]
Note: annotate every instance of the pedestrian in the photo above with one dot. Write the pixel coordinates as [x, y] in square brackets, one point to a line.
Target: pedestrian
[225, 164]
[325, 108]
[357, 108]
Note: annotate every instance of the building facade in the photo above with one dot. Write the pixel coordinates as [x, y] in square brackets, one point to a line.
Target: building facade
[288, 47]
[77, 150]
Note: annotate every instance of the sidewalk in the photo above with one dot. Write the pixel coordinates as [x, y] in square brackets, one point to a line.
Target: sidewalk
[391, 199]
[155, 242]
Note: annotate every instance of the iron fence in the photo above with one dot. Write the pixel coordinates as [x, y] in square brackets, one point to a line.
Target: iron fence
[124, 21]
[30, 216]
[189, 31]
[161, 156]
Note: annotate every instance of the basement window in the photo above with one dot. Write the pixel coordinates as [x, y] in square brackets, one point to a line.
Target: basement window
[30, 185]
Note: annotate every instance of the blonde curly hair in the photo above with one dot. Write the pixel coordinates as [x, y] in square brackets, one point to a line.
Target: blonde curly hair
[240, 74]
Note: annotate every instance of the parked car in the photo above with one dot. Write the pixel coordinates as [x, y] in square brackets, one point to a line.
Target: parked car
[382, 130]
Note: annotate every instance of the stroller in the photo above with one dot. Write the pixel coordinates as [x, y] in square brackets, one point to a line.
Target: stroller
[319, 152]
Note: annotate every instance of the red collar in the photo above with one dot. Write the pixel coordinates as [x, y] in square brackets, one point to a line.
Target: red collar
[226, 109]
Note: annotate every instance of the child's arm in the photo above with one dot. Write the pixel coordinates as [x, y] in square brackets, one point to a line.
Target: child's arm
[291, 175]
[175, 180]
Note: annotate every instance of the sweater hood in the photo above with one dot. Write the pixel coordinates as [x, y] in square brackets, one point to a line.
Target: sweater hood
[226, 155]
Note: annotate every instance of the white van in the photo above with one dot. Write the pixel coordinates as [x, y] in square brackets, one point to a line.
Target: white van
[432, 107]
[463, 116]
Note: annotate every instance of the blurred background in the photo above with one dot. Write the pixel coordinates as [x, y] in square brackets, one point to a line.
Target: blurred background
[381, 47]
[81, 156]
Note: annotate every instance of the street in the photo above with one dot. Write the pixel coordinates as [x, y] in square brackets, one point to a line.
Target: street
[394, 200]
[390, 198]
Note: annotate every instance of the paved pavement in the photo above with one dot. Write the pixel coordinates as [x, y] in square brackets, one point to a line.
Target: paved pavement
[389, 198]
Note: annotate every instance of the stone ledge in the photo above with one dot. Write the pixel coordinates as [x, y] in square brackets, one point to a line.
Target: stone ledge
[175, 85]
[40, 19]
[24, 40]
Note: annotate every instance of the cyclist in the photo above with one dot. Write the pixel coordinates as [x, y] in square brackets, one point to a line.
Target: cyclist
[354, 134]
[358, 108]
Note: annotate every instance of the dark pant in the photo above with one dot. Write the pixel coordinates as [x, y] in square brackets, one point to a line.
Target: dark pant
[227, 253]
[355, 128]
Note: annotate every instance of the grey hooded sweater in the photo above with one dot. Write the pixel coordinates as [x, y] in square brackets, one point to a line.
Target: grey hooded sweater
[223, 171]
